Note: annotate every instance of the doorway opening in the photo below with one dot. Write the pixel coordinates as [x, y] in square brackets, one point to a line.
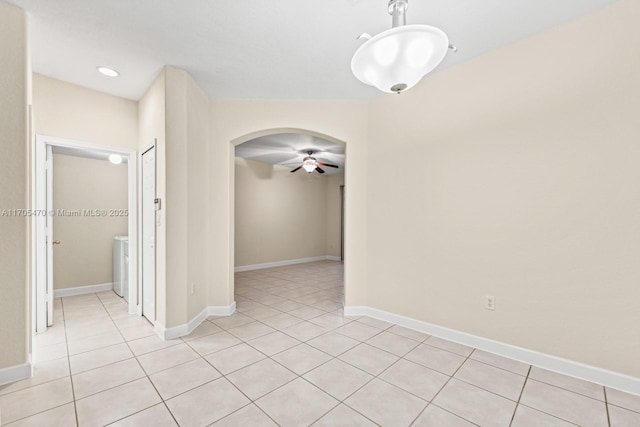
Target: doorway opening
[44, 213]
[305, 222]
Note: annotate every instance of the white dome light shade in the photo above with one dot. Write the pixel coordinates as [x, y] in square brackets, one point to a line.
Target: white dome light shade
[397, 59]
[309, 164]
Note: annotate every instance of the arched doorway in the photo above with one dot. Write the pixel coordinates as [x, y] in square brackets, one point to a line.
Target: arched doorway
[275, 155]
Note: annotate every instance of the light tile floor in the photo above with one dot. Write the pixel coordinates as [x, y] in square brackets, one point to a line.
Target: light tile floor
[287, 357]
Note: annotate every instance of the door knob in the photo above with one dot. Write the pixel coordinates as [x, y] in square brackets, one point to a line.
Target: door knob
[56, 242]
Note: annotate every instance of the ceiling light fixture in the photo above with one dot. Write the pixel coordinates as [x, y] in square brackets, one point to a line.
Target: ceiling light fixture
[309, 164]
[396, 59]
[109, 72]
[116, 159]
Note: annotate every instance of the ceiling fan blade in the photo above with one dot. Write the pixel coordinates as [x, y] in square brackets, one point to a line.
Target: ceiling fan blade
[296, 169]
[328, 165]
[319, 170]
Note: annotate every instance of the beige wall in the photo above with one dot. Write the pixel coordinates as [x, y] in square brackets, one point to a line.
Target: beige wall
[281, 216]
[196, 212]
[516, 175]
[185, 221]
[73, 112]
[176, 180]
[176, 112]
[152, 127]
[84, 256]
[14, 190]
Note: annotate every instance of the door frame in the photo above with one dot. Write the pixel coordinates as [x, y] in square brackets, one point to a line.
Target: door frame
[39, 232]
[342, 222]
[154, 146]
[232, 191]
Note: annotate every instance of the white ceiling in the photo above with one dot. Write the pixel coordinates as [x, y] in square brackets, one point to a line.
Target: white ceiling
[256, 48]
[289, 149]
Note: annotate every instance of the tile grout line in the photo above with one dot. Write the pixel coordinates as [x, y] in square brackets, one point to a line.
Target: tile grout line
[127, 344]
[66, 340]
[332, 357]
[251, 401]
[36, 385]
[524, 384]
[568, 389]
[50, 381]
[606, 405]
[373, 377]
[265, 295]
[141, 367]
[381, 379]
[497, 367]
[297, 376]
[360, 342]
[550, 415]
[136, 357]
[222, 375]
[443, 387]
[528, 378]
[406, 391]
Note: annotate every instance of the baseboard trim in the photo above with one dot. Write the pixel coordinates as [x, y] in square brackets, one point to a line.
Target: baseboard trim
[81, 290]
[186, 328]
[284, 262]
[553, 363]
[15, 373]
[222, 310]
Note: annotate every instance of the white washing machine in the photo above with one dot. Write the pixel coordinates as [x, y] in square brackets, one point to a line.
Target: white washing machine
[121, 266]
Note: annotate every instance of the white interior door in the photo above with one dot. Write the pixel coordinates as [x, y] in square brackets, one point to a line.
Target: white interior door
[44, 237]
[149, 234]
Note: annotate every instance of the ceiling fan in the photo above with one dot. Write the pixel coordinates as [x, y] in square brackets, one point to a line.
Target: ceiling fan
[310, 164]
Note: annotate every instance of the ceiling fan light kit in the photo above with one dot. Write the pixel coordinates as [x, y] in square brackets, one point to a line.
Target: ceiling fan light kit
[311, 164]
[396, 59]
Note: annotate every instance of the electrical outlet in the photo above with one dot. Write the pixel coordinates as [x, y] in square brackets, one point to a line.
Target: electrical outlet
[490, 302]
[193, 288]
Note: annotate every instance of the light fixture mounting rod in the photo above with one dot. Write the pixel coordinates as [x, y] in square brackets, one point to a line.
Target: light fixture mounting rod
[398, 11]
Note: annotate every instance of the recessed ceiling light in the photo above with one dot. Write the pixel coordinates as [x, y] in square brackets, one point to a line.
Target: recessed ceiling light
[116, 159]
[109, 72]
